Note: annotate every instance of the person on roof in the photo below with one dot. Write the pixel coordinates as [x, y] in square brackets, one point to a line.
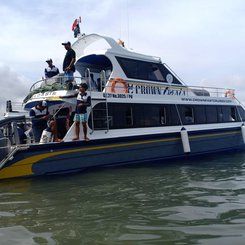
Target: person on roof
[68, 64]
[51, 70]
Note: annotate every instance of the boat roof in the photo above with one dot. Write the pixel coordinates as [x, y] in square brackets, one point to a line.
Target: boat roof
[83, 42]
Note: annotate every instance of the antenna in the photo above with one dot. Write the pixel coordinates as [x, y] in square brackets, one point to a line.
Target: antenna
[128, 24]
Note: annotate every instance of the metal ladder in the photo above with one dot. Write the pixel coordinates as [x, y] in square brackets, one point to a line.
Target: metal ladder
[103, 112]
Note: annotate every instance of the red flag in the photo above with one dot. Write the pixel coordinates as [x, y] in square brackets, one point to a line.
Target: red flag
[74, 25]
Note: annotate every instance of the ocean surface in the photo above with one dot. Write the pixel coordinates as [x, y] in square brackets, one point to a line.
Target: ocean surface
[201, 201]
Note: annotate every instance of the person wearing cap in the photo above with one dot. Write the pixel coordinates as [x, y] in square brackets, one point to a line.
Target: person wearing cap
[68, 64]
[42, 120]
[39, 116]
[51, 70]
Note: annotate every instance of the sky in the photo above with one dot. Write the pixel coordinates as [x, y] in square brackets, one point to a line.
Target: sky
[201, 40]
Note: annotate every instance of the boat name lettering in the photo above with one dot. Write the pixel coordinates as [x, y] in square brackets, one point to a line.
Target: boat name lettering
[120, 96]
[154, 90]
[44, 94]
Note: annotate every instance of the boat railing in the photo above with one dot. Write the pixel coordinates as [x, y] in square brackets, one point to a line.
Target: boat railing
[104, 85]
[13, 106]
[55, 83]
[167, 88]
[211, 91]
[12, 126]
[5, 148]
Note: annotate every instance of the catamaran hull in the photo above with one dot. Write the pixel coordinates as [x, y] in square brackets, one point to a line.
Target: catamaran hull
[60, 158]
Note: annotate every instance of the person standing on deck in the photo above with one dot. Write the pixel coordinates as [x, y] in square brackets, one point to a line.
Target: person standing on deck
[83, 101]
[39, 116]
[51, 70]
[41, 119]
[68, 64]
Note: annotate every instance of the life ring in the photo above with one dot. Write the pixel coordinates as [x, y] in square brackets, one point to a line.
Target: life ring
[229, 93]
[116, 81]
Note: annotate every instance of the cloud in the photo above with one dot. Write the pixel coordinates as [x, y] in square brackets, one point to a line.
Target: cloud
[200, 40]
[13, 86]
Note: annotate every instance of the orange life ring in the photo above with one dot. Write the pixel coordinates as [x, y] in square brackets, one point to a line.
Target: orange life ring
[118, 80]
[229, 93]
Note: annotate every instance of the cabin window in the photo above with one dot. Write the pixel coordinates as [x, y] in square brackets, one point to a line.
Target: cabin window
[173, 114]
[154, 112]
[143, 70]
[124, 115]
[241, 113]
[233, 114]
[162, 115]
[211, 114]
[200, 114]
[187, 114]
[146, 115]
[228, 114]
[129, 116]
[121, 115]
[220, 114]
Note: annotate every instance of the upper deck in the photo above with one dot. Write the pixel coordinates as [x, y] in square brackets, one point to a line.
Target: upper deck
[111, 69]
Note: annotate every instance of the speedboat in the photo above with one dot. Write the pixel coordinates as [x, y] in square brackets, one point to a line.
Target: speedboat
[141, 111]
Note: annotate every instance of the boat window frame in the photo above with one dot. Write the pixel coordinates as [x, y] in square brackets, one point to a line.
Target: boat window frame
[159, 71]
[142, 115]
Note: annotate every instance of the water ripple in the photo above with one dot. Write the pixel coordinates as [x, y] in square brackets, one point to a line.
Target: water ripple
[198, 202]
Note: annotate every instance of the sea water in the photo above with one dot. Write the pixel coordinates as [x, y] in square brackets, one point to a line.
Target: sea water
[201, 201]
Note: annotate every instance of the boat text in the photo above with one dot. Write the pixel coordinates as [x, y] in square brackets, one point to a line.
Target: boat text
[207, 100]
[50, 93]
[118, 96]
[154, 90]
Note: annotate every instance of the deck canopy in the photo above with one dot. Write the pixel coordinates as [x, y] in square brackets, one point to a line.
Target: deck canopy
[95, 63]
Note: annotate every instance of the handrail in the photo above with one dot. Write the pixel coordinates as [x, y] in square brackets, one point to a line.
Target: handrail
[212, 90]
[59, 79]
[217, 91]
[103, 78]
[11, 154]
[8, 145]
[9, 120]
[88, 81]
